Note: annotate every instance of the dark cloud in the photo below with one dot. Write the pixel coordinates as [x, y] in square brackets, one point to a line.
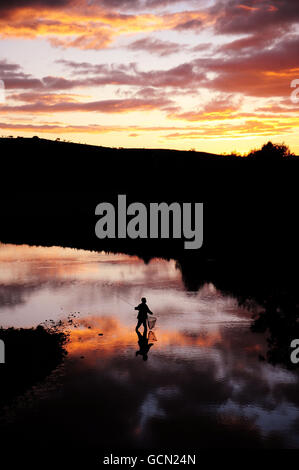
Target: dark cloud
[10, 70]
[261, 73]
[247, 16]
[7, 6]
[256, 72]
[104, 106]
[202, 47]
[283, 56]
[156, 46]
[252, 42]
[181, 76]
[14, 78]
[191, 24]
[120, 5]
[141, 4]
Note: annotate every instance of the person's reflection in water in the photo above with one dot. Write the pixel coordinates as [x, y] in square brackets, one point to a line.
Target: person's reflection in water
[144, 347]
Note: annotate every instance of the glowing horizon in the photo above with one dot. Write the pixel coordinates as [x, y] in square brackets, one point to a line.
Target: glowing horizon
[211, 75]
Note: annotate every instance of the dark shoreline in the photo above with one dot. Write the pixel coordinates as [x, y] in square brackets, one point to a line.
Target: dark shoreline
[31, 354]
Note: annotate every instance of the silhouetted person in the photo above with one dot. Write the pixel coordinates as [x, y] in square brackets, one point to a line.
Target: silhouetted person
[143, 310]
[144, 347]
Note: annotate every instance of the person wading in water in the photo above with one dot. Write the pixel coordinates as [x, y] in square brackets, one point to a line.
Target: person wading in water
[143, 310]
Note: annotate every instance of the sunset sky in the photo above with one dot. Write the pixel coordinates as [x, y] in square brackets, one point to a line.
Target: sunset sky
[206, 74]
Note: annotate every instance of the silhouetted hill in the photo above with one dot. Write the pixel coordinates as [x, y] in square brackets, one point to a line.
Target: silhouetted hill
[69, 164]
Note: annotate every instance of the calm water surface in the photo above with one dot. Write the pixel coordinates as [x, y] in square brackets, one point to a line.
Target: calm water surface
[202, 384]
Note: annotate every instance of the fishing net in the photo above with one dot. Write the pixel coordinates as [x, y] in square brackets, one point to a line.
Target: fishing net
[152, 337]
[151, 322]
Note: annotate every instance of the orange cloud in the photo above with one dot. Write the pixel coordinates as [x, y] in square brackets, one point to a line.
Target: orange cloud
[257, 125]
[247, 8]
[88, 28]
[249, 128]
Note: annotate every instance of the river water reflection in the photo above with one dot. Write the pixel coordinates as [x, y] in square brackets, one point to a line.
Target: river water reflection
[202, 385]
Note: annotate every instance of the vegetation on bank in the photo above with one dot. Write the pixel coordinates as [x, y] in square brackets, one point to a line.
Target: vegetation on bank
[31, 354]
